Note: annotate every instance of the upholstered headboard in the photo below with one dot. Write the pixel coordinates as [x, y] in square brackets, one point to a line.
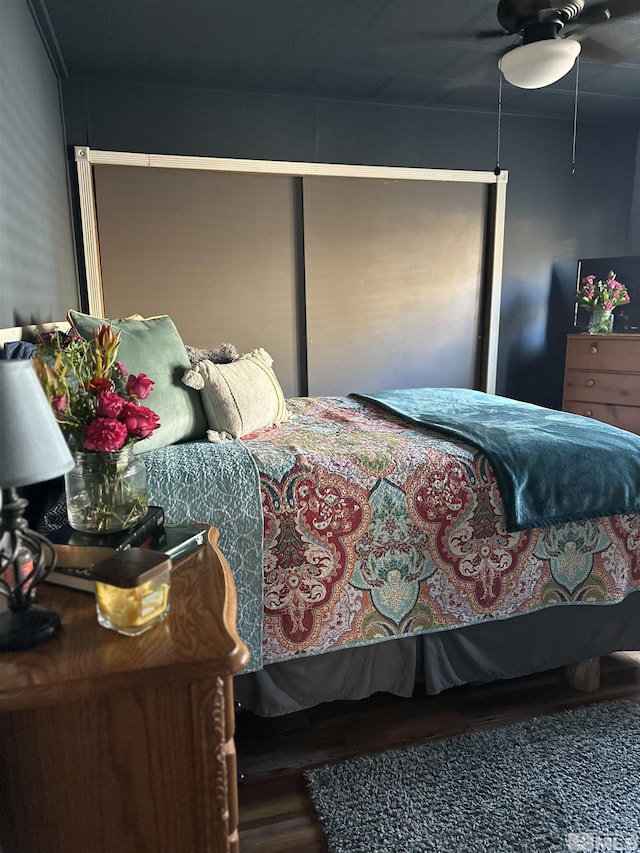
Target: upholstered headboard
[28, 333]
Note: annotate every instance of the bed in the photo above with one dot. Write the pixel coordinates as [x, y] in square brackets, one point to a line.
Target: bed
[374, 545]
[373, 552]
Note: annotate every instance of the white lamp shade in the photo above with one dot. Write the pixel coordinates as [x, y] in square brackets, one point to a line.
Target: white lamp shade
[32, 446]
[540, 63]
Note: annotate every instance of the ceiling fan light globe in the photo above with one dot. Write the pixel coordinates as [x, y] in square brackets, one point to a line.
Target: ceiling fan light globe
[540, 63]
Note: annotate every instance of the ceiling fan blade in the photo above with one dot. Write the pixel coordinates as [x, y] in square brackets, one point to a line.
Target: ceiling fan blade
[457, 35]
[514, 15]
[598, 12]
[617, 8]
[424, 37]
[491, 34]
[596, 50]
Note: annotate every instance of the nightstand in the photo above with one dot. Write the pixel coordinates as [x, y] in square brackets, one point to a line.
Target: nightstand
[111, 743]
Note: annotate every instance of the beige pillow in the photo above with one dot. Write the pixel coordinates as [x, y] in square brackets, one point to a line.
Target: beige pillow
[238, 397]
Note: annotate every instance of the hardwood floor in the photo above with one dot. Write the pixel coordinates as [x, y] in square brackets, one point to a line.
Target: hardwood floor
[276, 815]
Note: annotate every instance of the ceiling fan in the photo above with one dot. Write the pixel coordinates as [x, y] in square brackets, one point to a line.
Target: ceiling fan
[552, 34]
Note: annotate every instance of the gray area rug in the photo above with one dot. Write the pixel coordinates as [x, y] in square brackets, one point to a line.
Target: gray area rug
[565, 783]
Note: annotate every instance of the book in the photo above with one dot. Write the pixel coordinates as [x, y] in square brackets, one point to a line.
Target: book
[174, 540]
[142, 535]
[76, 552]
[77, 577]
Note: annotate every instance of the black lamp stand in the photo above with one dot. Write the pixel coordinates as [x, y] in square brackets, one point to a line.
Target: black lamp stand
[26, 558]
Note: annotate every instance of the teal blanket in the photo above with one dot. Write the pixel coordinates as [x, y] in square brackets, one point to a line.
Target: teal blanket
[218, 484]
[552, 467]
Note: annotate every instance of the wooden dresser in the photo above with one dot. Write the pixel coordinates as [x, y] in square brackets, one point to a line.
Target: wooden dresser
[602, 378]
[111, 743]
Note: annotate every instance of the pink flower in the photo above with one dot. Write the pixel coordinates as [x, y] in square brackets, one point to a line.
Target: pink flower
[88, 389]
[59, 403]
[139, 386]
[140, 421]
[105, 435]
[602, 294]
[109, 404]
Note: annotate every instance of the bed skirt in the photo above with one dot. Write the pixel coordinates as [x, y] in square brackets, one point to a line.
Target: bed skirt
[477, 654]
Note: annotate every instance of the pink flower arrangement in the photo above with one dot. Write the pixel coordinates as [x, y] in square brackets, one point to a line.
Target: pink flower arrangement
[94, 399]
[602, 295]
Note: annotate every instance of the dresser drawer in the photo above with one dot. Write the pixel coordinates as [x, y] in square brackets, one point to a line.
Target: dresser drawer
[625, 417]
[604, 352]
[589, 385]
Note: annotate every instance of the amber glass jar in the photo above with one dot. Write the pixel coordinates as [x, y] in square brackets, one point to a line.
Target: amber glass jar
[132, 590]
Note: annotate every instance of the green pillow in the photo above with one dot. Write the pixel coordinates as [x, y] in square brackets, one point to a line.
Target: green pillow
[153, 346]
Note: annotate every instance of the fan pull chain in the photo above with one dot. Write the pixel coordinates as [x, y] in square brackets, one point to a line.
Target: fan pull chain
[575, 119]
[496, 171]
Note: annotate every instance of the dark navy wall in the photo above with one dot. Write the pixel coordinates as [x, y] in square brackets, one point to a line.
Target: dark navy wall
[553, 217]
[38, 279]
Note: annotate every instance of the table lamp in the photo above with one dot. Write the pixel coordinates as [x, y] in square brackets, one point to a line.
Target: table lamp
[32, 450]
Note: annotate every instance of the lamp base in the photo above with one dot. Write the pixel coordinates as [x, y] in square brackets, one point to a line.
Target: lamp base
[27, 629]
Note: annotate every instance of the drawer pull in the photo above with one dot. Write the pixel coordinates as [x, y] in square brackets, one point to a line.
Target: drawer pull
[590, 383]
[594, 348]
[587, 413]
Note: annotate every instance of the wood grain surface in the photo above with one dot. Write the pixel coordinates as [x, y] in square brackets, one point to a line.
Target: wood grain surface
[112, 743]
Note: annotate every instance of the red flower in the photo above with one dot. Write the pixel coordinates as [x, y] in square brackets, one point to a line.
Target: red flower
[85, 385]
[139, 386]
[100, 383]
[109, 404]
[140, 421]
[107, 342]
[105, 435]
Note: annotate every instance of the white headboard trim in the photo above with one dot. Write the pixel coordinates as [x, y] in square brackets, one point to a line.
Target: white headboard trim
[28, 333]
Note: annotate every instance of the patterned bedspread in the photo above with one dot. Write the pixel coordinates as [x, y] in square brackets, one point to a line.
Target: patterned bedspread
[374, 528]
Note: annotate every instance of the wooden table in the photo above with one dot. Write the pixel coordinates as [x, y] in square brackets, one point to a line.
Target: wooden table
[125, 744]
